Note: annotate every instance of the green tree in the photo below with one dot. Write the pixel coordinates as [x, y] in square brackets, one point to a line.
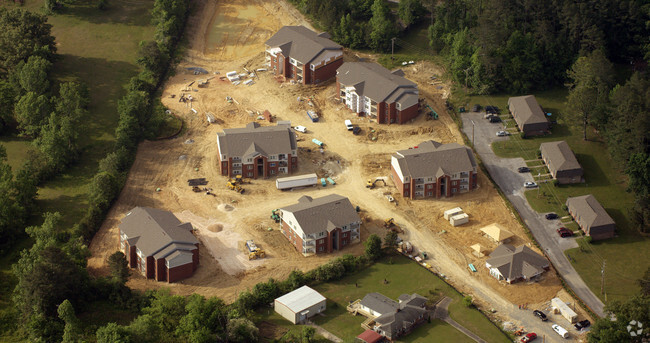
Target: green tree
[409, 11]
[205, 320]
[23, 34]
[390, 240]
[308, 334]
[373, 247]
[31, 113]
[153, 58]
[12, 212]
[58, 141]
[467, 301]
[72, 329]
[113, 333]
[605, 330]
[119, 267]
[72, 101]
[381, 27]
[644, 282]
[8, 94]
[33, 75]
[167, 310]
[144, 329]
[242, 330]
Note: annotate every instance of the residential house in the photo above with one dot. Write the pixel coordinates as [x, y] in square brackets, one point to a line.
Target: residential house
[591, 217]
[375, 91]
[528, 114]
[392, 318]
[321, 225]
[514, 264]
[158, 245]
[561, 162]
[257, 151]
[303, 55]
[300, 305]
[434, 170]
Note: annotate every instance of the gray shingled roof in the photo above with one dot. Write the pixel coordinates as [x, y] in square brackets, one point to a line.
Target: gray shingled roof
[301, 43]
[560, 155]
[323, 214]
[514, 263]
[395, 316]
[526, 110]
[591, 212]
[379, 303]
[433, 158]
[254, 140]
[378, 83]
[154, 230]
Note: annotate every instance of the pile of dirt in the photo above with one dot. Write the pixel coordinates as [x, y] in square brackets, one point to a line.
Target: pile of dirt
[225, 207]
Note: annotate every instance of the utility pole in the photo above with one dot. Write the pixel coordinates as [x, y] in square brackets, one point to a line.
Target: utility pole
[392, 48]
[602, 279]
[473, 131]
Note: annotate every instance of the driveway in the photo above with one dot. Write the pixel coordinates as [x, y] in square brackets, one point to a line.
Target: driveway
[504, 172]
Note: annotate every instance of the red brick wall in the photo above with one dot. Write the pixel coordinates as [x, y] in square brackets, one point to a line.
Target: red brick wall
[195, 256]
[292, 236]
[179, 273]
[161, 270]
[224, 168]
[382, 113]
[320, 245]
[325, 72]
[405, 115]
[150, 271]
[398, 183]
[132, 256]
[473, 180]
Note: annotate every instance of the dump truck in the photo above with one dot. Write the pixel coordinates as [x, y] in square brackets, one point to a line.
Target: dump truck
[283, 183]
[253, 251]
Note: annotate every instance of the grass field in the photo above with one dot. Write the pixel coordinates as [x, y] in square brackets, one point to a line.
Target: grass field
[399, 271]
[627, 256]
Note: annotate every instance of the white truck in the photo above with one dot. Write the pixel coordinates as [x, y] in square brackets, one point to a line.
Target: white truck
[283, 183]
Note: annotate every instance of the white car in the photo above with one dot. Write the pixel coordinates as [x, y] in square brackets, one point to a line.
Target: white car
[300, 129]
[502, 133]
[348, 125]
[530, 184]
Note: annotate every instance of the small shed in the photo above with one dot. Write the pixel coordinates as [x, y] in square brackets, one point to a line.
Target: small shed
[459, 219]
[565, 310]
[299, 305]
[478, 250]
[450, 213]
[498, 233]
[370, 336]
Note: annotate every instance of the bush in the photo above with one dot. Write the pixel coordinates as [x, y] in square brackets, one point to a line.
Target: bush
[467, 301]
[522, 135]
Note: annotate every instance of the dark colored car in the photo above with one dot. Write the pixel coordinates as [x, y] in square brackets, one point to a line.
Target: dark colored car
[540, 314]
[495, 119]
[582, 324]
[523, 169]
[551, 216]
[491, 109]
[476, 108]
[356, 130]
[564, 232]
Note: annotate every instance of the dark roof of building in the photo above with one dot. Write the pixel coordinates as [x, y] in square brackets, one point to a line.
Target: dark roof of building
[514, 263]
[301, 43]
[370, 336]
[433, 158]
[379, 303]
[254, 140]
[591, 212]
[323, 214]
[560, 155]
[157, 232]
[378, 83]
[526, 110]
[402, 319]
[395, 316]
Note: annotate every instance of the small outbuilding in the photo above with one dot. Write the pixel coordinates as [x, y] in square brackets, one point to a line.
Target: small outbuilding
[452, 212]
[459, 219]
[591, 217]
[299, 305]
[565, 310]
[370, 336]
[497, 233]
[478, 250]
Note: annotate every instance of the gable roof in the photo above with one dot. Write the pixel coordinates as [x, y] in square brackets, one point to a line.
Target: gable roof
[526, 110]
[433, 158]
[157, 232]
[301, 43]
[378, 83]
[395, 316]
[300, 299]
[323, 214]
[514, 263]
[560, 154]
[591, 212]
[379, 303]
[370, 336]
[254, 140]
[497, 232]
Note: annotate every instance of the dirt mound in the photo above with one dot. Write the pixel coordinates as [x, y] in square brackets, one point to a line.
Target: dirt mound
[215, 227]
[225, 208]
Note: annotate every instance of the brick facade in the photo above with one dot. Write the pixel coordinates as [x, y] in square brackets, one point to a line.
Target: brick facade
[260, 168]
[280, 65]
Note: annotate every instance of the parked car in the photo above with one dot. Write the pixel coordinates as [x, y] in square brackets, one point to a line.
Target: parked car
[560, 331]
[523, 169]
[356, 130]
[495, 119]
[530, 184]
[582, 324]
[551, 216]
[348, 125]
[491, 109]
[529, 337]
[300, 129]
[476, 108]
[502, 133]
[540, 314]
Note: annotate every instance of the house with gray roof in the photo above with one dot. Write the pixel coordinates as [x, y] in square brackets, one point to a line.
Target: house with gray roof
[393, 319]
[591, 217]
[320, 225]
[514, 264]
[158, 245]
[561, 162]
[528, 114]
[257, 151]
[434, 170]
[375, 91]
[301, 54]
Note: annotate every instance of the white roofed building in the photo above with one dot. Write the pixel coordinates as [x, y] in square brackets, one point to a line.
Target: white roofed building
[299, 305]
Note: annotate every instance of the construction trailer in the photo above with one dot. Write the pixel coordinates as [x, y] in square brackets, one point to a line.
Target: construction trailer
[283, 183]
[564, 309]
[450, 213]
[459, 219]
[313, 116]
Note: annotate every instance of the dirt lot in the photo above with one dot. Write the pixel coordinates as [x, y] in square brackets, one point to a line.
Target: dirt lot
[226, 220]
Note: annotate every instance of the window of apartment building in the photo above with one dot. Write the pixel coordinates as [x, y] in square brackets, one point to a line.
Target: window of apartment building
[250, 166]
[272, 172]
[454, 190]
[406, 186]
[345, 234]
[275, 59]
[272, 165]
[429, 194]
[430, 179]
[321, 241]
[250, 174]
[312, 67]
[321, 248]
[322, 234]
[282, 156]
[249, 160]
[236, 165]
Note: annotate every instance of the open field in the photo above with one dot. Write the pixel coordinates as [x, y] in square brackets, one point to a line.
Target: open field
[628, 255]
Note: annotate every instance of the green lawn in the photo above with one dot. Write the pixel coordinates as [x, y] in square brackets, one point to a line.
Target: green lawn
[401, 274]
[282, 326]
[628, 255]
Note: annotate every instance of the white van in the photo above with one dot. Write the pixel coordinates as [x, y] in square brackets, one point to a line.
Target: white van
[560, 331]
[348, 125]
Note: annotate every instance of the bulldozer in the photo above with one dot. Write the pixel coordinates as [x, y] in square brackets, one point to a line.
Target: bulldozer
[372, 184]
[389, 222]
[235, 187]
[253, 251]
[196, 189]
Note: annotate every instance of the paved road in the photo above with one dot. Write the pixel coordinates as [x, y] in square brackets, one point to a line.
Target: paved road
[442, 313]
[504, 172]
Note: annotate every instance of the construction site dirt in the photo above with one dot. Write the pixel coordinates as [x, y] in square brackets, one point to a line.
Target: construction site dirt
[227, 219]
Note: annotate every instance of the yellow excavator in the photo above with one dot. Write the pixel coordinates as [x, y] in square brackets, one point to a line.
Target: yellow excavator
[235, 187]
[372, 184]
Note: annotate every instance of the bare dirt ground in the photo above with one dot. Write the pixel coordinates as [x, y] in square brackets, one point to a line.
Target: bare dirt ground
[229, 35]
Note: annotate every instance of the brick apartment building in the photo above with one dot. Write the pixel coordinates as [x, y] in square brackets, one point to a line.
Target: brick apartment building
[300, 54]
[375, 91]
[434, 170]
[321, 225]
[257, 151]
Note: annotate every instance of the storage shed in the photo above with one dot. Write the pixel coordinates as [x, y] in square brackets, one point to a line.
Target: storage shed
[450, 213]
[300, 304]
[478, 250]
[459, 219]
[564, 309]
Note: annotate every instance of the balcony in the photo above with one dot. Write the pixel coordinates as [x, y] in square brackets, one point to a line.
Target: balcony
[309, 243]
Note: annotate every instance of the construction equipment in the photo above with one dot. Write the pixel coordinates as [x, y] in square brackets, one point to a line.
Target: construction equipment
[196, 189]
[371, 184]
[275, 216]
[253, 251]
[197, 182]
[389, 222]
[433, 113]
[235, 187]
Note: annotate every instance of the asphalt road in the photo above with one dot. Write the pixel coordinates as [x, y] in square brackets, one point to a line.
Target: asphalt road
[504, 172]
